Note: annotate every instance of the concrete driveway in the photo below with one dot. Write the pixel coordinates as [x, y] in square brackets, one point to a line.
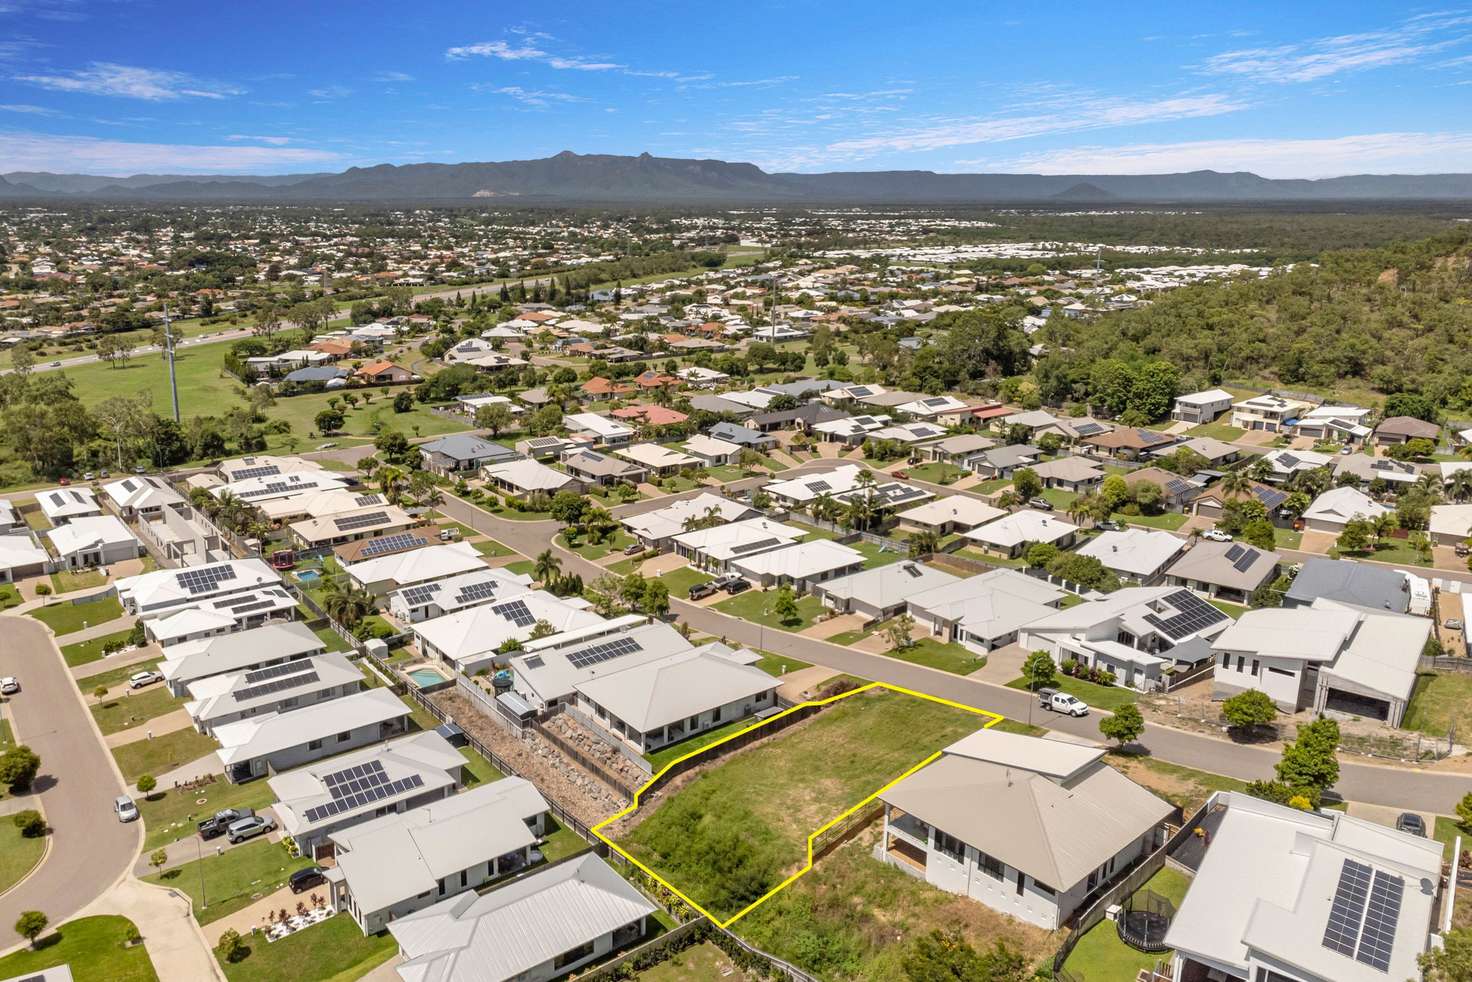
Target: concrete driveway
[89, 848]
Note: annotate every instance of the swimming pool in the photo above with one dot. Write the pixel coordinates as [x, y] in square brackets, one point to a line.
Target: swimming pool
[308, 576]
[427, 677]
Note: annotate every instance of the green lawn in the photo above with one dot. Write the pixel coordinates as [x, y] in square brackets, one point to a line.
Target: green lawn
[492, 548]
[93, 947]
[1287, 539]
[728, 836]
[993, 485]
[163, 753]
[1392, 551]
[18, 855]
[232, 878]
[1167, 520]
[82, 579]
[779, 665]
[173, 815]
[756, 606]
[660, 758]
[1446, 831]
[597, 550]
[1440, 701]
[877, 555]
[1232, 610]
[9, 596]
[7, 738]
[524, 566]
[1217, 431]
[115, 676]
[937, 473]
[64, 618]
[128, 708]
[334, 951]
[560, 841]
[83, 652]
[1109, 697]
[946, 656]
[846, 638]
[1100, 954]
[1059, 499]
[480, 770]
[681, 580]
[332, 639]
[698, 962]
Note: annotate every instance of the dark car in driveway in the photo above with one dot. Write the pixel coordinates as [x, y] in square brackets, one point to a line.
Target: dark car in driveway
[1411, 823]
[304, 879]
[215, 826]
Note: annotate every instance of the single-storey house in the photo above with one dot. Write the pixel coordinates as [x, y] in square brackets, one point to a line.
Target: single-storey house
[61, 505]
[714, 547]
[801, 565]
[21, 556]
[268, 645]
[350, 526]
[985, 611]
[657, 460]
[385, 574]
[142, 496]
[454, 593]
[520, 478]
[596, 469]
[1135, 554]
[1333, 509]
[952, 513]
[881, 592]
[1011, 535]
[262, 745]
[655, 529]
[460, 452]
[1358, 584]
[301, 683]
[1403, 429]
[1228, 571]
[99, 540]
[1069, 473]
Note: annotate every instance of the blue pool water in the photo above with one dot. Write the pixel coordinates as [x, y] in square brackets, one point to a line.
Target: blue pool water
[426, 676]
[308, 576]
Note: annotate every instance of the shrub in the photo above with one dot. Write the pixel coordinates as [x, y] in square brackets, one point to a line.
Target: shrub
[43, 590]
[1246, 711]
[232, 945]
[147, 783]
[30, 823]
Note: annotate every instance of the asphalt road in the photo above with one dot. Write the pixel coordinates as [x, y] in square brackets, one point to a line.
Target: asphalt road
[90, 849]
[1400, 787]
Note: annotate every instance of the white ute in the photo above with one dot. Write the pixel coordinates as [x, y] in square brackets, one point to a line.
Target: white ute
[1061, 702]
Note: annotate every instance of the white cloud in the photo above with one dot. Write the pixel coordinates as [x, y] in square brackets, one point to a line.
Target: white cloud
[20, 107]
[1325, 57]
[131, 82]
[90, 155]
[328, 92]
[392, 77]
[1379, 153]
[274, 141]
[528, 52]
[1084, 114]
[537, 98]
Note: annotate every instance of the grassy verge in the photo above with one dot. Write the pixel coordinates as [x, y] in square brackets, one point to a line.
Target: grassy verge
[162, 754]
[171, 816]
[129, 710]
[93, 947]
[113, 677]
[65, 618]
[681, 580]
[219, 885]
[492, 549]
[333, 951]
[780, 665]
[18, 855]
[68, 580]
[1440, 702]
[1109, 697]
[83, 652]
[756, 606]
[1183, 786]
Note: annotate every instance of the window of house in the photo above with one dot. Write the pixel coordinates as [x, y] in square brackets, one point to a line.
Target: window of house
[715, 715]
[344, 737]
[1226, 660]
[1042, 887]
[1280, 671]
[574, 955]
[1241, 661]
[950, 846]
[1254, 666]
[315, 745]
[1021, 880]
[464, 878]
[991, 866]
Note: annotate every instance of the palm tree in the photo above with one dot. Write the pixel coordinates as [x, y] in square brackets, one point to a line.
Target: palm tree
[1430, 482]
[346, 603]
[1260, 469]
[1081, 507]
[924, 542]
[546, 567]
[1459, 485]
[389, 480]
[1235, 482]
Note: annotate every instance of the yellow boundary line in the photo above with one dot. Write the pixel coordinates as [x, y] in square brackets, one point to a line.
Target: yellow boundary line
[993, 720]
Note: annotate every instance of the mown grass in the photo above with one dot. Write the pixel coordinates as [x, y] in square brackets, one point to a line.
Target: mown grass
[93, 947]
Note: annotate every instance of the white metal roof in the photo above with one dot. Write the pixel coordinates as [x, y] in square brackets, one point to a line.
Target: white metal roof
[800, 560]
[1134, 552]
[90, 532]
[190, 660]
[418, 565]
[675, 687]
[270, 733]
[1022, 526]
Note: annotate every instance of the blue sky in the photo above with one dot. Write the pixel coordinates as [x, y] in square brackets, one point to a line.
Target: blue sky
[1283, 89]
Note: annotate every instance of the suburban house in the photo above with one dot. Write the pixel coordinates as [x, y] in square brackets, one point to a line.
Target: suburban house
[1285, 464]
[384, 373]
[1333, 657]
[1403, 429]
[596, 469]
[985, 611]
[1335, 508]
[381, 575]
[1215, 452]
[598, 430]
[461, 452]
[1201, 407]
[142, 496]
[314, 801]
[273, 742]
[21, 556]
[1175, 490]
[1358, 584]
[1032, 828]
[1315, 896]
[802, 565]
[469, 638]
[350, 526]
[1344, 425]
[1012, 535]
[97, 540]
[952, 513]
[1228, 571]
[302, 683]
[582, 911]
[520, 478]
[655, 529]
[1002, 461]
[881, 592]
[1129, 443]
[716, 546]
[218, 616]
[743, 436]
[399, 863]
[1212, 502]
[1270, 413]
[271, 644]
[547, 671]
[1138, 633]
[1135, 554]
[1450, 524]
[712, 451]
[544, 447]
[64, 504]
[653, 704]
[657, 460]
[954, 449]
[1075, 474]
[1370, 469]
[454, 593]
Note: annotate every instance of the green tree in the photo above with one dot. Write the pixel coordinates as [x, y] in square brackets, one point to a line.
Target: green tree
[32, 824]
[1464, 812]
[232, 946]
[898, 633]
[1041, 554]
[328, 421]
[30, 924]
[1452, 962]
[1309, 763]
[546, 567]
[784, 605]
[656, 600]
[1258, 532]
[147, 783]
[1040, 670]
[1124, 726]
[1246, 711]
[1027, 483]
[494, 417]
[1356, 536]
[18, 768]
[157, 858]
[403, 402]
[393, 447]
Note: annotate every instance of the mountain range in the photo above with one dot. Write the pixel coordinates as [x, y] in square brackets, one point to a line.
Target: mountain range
[649, 180]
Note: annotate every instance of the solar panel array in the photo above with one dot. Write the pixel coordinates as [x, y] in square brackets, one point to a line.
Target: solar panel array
[484, 590]
[357, 786]
[246, 473]
[206, 578]
[416, 595]
[1346, 911]
[607, 651]
[1244, 562]
[252, 606]
[515, 611]
[819, 486]
[402, 542]
[276, 685]
[747, 547]
[1194, 614]
[360, 521]
[276, 671]
[364, 500]
[1377, 941]
[274, 487]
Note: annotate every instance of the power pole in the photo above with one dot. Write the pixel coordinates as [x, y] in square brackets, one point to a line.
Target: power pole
[169, 351]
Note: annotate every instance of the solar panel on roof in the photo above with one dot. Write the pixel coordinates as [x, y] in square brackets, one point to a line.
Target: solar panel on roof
[1345, 913]
[416, 595]
[484, 590]
[276, 671]
[360, 521]
[364, 500]
[205, 578]
[746, 547]
[819, 486]
[1288, 460]
[246, 473]
[401, 542]
[1245, 560]
[358, 786]
[276, 685]
[1382, 915]
[515, 611]
[1234, 552]
[593, 655]
[1193, 615]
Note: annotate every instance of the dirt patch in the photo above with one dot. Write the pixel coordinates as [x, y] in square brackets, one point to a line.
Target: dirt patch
[536, 759]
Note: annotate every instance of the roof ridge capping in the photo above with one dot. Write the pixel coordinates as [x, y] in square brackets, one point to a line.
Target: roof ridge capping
[1052, 758]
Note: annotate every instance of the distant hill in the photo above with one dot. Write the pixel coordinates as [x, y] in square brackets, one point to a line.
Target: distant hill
[649, 180]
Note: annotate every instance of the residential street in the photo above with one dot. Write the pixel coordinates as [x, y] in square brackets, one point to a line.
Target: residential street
[1401, 786]
[89, 848]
